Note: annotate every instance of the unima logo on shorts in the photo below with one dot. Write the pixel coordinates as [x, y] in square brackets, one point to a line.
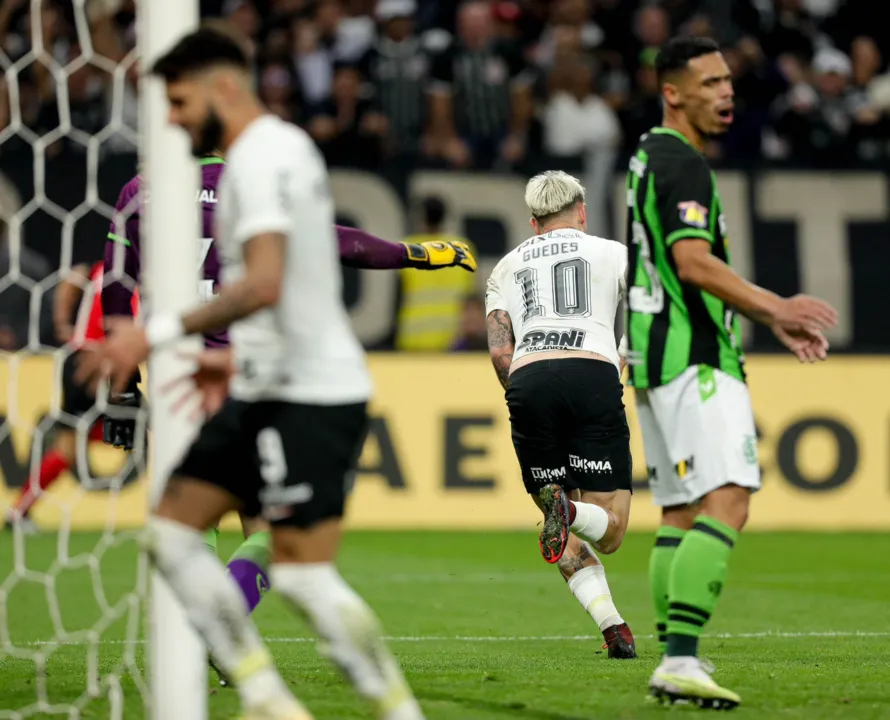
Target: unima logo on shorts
[548, 473]
[589, 466]
[552, 340]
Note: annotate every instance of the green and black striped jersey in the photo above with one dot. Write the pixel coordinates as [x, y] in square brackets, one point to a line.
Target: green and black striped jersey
[671, 196]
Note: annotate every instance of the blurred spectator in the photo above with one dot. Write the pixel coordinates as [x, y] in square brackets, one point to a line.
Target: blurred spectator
[819, 122]
[507, 16]
[347, 38]
[397, 68]
[472, 335]
[276, 89]
[431, 305]
[16, 296]
[793, 32]
[644, 110]
[573, 14]
[347, 128]
[576, 119]
[651, 30]
[481, 96]
[757, 84]
[313, 62]
[243, 16]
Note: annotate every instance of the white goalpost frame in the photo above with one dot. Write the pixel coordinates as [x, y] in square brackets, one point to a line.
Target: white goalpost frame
[177, 656]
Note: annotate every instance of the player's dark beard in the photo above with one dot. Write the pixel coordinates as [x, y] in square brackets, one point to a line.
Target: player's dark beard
[209, 136]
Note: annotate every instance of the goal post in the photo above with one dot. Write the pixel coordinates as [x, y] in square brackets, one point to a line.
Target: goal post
[178, 660]
[82, 634]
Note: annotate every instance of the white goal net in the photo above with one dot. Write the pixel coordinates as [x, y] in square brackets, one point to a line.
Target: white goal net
[73, 581]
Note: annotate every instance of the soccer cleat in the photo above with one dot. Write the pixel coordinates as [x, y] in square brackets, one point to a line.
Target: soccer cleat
[685, 679]
[555, 534]
[25, 524]
[619, 642]
[224, 680]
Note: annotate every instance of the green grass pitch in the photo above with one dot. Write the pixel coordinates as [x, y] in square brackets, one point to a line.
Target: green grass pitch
[487, 631]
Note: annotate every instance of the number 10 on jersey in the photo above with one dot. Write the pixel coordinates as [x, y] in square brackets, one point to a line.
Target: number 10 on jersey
[570, 289]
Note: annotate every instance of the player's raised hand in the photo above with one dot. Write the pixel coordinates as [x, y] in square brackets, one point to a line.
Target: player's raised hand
[208, 382]
[435, 255]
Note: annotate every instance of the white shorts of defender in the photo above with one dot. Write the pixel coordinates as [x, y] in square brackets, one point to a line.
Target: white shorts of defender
[698, 435]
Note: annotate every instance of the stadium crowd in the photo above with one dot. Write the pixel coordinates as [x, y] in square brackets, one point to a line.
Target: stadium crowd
[394, 85]
[493, 84]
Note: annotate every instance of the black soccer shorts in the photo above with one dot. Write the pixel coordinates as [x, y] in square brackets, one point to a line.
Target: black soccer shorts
[76, 398]
[287, 462]
[569, 425]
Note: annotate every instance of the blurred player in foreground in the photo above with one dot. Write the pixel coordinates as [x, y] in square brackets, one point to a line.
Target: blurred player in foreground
[249, 564]
[555, 331]
[686, 360]
[77, 318]
[288, 435]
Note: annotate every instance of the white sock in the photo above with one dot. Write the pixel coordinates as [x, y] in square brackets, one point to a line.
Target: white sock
[215, 606]
[591, 522]
[349, 635]
[590, 588]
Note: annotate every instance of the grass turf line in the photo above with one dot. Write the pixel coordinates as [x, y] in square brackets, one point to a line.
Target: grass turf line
[800, 631]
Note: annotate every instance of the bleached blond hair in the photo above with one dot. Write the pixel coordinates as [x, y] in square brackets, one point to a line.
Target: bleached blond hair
[551, 193]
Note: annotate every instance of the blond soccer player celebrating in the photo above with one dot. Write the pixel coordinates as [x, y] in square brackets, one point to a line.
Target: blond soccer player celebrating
[554, 333]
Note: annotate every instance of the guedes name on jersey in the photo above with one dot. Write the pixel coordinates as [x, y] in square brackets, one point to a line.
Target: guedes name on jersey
[552, 250]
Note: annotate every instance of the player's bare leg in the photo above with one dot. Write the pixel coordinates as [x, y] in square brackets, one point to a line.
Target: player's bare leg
[586, 578]
[697, 575]
[601, 519]
[303, 572]
[212, 602]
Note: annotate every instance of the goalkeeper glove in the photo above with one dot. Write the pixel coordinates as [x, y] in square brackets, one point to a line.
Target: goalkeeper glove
[119, 423]
[436, 255]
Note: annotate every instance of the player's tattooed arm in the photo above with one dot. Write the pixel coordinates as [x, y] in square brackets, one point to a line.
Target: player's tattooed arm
[501, 344]
[264, 261]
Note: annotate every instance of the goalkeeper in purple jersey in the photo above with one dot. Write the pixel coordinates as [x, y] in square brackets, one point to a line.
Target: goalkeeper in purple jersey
[357, 249]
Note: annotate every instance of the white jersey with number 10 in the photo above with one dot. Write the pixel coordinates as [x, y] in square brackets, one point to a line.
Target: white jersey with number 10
[562, 291]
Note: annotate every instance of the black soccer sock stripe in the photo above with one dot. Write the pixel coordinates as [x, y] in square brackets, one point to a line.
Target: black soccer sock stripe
[692, 610]
[708, 529]
[668, 541]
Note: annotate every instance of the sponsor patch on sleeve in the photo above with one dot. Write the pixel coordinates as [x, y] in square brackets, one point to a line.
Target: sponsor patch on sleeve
[693, 213]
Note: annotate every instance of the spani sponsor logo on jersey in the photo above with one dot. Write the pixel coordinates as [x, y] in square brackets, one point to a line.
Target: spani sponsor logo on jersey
[549, 473]
[537, 340]
[590, 466]
[693, 213]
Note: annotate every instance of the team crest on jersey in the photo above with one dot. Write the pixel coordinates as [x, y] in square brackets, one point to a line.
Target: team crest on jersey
[693, 213]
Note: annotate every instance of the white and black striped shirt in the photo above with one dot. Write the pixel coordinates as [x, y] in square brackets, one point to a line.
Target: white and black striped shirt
[399, 75]
[481, 83]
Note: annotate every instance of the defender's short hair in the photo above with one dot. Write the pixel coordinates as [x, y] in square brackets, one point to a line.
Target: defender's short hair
[551, 193]
[202, 49]
[678, 51]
